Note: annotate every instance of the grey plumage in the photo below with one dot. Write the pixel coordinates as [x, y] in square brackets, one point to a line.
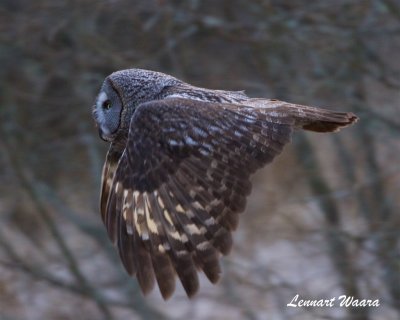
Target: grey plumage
[177, 172]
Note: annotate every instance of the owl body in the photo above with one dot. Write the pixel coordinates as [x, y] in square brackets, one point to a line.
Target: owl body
[176, 176]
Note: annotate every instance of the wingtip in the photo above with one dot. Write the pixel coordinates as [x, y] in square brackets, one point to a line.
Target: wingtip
[167, 294]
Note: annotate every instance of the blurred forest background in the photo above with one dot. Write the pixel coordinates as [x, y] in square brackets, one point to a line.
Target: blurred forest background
[323, 219]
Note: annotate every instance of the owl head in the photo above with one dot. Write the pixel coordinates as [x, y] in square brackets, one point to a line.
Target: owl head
[121, 93]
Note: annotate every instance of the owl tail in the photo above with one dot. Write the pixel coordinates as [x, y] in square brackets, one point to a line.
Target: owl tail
[307, 118]
[321, 120]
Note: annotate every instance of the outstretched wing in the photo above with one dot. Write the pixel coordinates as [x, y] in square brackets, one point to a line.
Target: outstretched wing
[181, 182]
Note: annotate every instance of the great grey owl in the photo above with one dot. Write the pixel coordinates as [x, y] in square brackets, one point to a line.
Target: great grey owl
[176, 175]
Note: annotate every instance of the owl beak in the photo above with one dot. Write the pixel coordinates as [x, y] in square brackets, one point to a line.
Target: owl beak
[101, 135]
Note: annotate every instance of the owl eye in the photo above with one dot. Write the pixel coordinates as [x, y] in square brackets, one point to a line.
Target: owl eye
[106, 105]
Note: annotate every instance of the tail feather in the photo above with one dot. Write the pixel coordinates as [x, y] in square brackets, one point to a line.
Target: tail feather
[320, 120]
[308, 118]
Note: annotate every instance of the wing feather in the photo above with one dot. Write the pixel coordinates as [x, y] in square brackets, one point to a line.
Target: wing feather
[110, 166]
[181, 250]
